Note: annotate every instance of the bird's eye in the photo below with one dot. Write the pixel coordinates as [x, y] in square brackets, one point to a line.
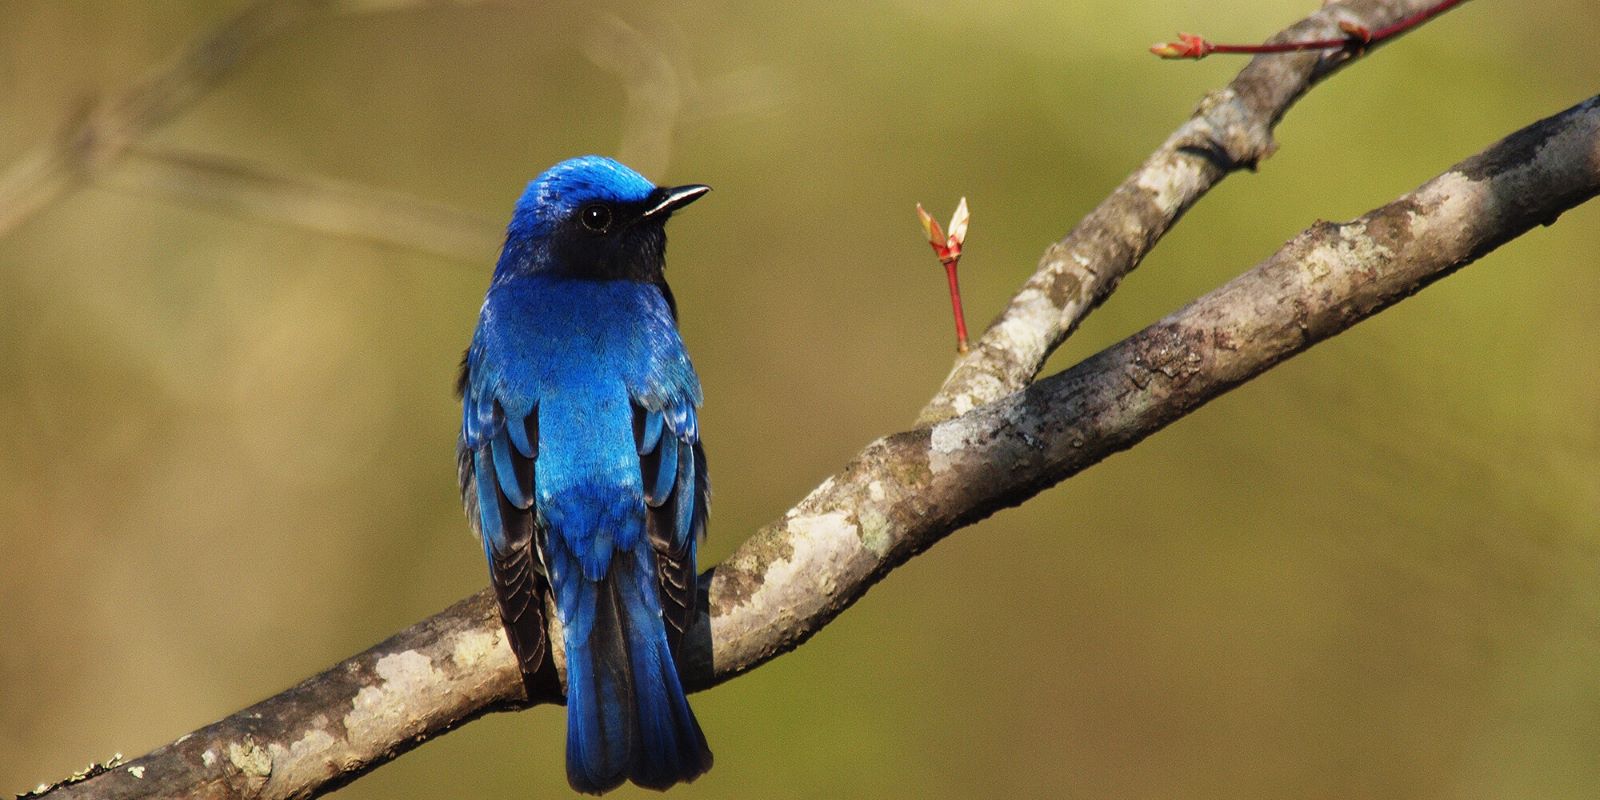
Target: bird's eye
[596, 217]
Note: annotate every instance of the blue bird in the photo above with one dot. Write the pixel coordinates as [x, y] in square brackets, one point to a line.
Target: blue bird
[581, 467]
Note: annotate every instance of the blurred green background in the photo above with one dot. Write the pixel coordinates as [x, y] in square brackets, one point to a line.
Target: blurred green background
[226, 437]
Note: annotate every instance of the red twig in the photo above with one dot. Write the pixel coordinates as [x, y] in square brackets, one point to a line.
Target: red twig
[955, 304]
[1190, 45]
[948, 249]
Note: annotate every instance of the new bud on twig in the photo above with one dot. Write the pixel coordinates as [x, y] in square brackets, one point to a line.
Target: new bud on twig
[1187, 46]
[948, 249]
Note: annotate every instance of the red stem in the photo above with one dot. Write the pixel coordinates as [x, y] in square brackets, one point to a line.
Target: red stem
[1326, 44]
[1414, 20]
[955, 305]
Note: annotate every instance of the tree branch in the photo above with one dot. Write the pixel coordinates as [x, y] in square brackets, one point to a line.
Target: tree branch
[905, 492]
[102, 131]
[325, 205]
[1354, 36]
[102, 142]
[1232, 129]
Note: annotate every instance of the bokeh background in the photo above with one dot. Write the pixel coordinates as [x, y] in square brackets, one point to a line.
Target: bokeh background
[226, 424]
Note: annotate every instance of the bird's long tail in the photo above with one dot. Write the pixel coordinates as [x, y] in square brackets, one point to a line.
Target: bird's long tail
[627, 717]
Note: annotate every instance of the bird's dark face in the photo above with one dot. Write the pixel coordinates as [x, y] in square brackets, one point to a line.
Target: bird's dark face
[593, 218]
[609, 239]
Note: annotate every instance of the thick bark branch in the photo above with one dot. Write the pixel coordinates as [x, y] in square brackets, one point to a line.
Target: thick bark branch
[1232, 129]
[907, 491]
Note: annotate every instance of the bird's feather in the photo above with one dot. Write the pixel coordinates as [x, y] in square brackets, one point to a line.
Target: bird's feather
[510, 544]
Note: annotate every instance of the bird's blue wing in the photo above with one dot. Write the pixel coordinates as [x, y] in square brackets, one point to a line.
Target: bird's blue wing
[677, 498]
[495, 466]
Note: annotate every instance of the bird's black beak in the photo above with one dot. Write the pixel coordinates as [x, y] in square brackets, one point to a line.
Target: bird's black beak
[666, 200]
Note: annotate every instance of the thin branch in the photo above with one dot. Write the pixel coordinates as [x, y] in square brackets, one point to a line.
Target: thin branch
[100, 141]
[947, 248]
[365, 7]
[100, 132]
[1231, 130]
[324, 205]
[1355, 37]
[650, 81]
[905, 492]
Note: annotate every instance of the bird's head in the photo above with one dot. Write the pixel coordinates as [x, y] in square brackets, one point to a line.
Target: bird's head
[592, 217]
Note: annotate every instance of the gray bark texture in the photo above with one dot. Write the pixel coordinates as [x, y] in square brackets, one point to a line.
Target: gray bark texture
[906, 491]
[1231, 130]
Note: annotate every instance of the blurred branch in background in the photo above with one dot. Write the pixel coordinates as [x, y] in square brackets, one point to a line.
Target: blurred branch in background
[328, 206]
[386, 6]
[906, 491]
[1231, 130]
[99, 142]
[651, 84]
[662, 92]
[102, 130]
